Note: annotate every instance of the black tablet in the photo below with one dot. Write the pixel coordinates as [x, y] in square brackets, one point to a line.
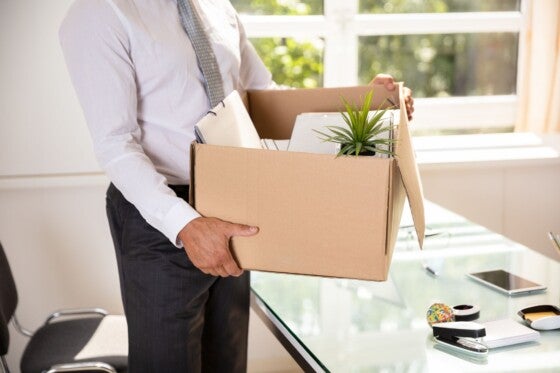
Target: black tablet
[506, 282]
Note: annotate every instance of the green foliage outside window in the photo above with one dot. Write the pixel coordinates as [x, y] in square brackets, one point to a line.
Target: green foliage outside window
[295, 63]
[436, 6]
[443, 64]
[432, 65]
[279, 7]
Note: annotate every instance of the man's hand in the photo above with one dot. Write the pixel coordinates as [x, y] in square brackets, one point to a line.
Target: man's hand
[206, 241]
[389, 83]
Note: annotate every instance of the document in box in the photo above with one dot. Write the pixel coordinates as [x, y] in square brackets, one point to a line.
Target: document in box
[507, 332]
[305, 138]
[271, 144]
[228, 124]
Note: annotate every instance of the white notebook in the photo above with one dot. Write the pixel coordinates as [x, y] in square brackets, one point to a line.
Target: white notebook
[507, 332]
[228, 124]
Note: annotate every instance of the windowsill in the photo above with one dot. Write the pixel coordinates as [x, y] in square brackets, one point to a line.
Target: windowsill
[488, 150]
[432, 152]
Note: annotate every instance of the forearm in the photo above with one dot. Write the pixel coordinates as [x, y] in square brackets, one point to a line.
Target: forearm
[137, 179]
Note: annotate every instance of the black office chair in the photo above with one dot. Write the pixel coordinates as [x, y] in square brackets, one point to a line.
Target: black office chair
[69, 341]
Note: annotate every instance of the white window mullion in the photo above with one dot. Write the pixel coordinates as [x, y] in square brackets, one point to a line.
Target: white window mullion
[284, 26]
[524, 34]
[437, 23]
[341, 44]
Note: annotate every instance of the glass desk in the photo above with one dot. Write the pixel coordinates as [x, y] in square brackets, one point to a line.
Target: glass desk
[342, 325]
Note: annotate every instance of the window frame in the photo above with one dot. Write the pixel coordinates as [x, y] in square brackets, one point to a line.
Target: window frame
[341, 25]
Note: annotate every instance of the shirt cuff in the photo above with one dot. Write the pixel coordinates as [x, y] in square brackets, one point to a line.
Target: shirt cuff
[180, 215]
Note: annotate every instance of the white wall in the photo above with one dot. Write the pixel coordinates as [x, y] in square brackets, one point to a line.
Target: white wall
[522, 203]
[60, 252]
[514, 191]
[42, 128]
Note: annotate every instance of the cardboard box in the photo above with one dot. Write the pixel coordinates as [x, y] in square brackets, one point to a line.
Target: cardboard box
[318, 214]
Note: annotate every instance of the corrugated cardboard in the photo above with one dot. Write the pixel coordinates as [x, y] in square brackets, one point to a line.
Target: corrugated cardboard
[318, 214]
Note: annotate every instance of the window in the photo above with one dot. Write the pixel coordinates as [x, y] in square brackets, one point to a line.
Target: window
[460, 57]
[295, 62]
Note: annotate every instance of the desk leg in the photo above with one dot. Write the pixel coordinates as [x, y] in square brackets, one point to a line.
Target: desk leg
[305, 359]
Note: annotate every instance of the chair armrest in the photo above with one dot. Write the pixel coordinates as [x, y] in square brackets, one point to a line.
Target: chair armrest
[75, 312]
[20, 329]
[82, 367]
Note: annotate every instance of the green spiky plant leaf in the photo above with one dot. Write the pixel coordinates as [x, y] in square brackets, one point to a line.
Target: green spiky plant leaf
[361, 136]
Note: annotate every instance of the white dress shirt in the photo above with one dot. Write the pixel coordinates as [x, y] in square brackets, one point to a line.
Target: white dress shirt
[137, 79]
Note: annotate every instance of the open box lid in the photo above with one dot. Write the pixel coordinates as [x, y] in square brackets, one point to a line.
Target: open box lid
[409, 170]
[273, 112]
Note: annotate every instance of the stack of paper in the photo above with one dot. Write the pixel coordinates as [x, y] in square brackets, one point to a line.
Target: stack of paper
[507, 332]
[271, 144]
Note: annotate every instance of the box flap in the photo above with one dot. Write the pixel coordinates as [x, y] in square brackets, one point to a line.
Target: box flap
[396, 198]
[409, 170]
[191, 190]
[274, 111]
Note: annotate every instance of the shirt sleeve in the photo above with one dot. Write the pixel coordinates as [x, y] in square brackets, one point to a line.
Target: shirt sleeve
[96, 48]
[254, 74]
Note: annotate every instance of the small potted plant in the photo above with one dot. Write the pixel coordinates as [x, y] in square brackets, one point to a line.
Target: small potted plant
[363, 133]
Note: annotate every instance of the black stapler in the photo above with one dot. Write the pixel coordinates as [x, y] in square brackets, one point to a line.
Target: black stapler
[461, 336]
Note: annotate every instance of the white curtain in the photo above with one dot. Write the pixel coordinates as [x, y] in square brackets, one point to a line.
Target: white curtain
[539, 86]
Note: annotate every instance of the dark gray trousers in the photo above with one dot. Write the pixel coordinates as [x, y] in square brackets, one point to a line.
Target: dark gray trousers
[179, 319]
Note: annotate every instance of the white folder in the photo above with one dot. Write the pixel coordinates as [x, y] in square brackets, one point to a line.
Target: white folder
[228, 124]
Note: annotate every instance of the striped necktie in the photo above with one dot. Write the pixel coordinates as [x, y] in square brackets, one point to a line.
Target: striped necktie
[207, 62]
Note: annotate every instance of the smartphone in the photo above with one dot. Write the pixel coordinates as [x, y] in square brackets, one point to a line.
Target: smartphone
[506, 282]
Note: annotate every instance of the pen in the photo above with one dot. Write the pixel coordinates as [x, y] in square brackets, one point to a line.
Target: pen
[430, 270]
[555, 240]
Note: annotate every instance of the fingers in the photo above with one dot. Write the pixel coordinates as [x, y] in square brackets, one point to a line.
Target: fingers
[232, 269]
[242, 230]
[409, 102]
[385, 79]
[223, 268]
[221, 271]
[206, 242]
[389, 83]
[229, 268]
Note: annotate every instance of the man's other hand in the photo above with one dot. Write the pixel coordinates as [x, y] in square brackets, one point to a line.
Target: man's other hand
[389, 83]
[206, 242]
